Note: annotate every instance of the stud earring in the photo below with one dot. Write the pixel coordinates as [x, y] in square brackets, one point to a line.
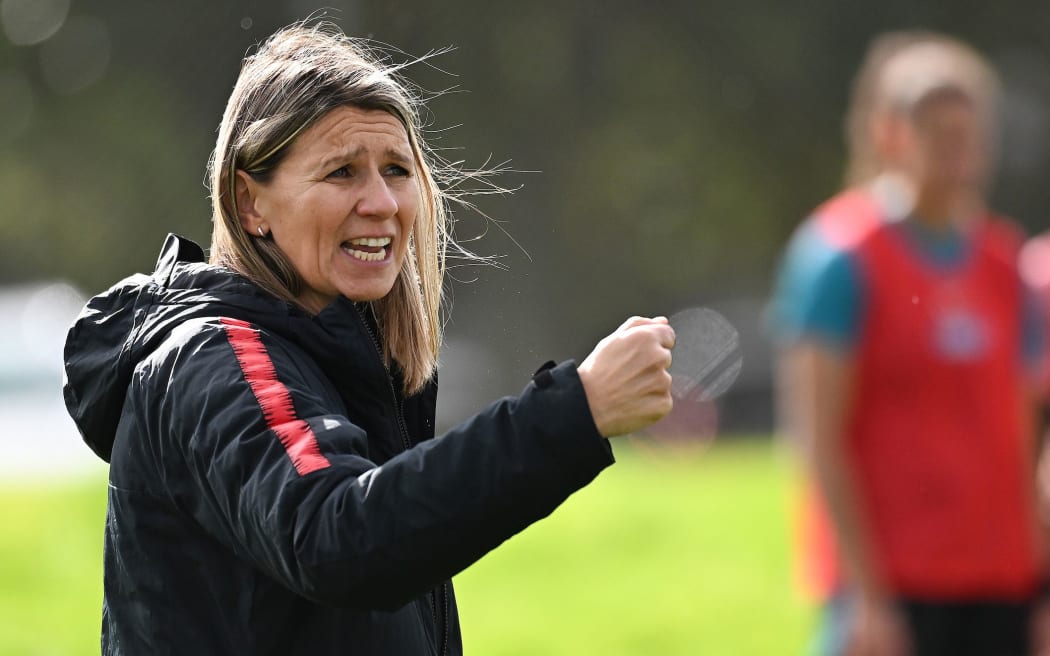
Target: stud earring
[260, 231]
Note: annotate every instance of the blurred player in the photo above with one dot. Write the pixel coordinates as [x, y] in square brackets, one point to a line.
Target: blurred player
[906, 339]
[1035, 268]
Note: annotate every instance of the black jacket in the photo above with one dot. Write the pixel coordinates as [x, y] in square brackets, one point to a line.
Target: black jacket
[271, 492]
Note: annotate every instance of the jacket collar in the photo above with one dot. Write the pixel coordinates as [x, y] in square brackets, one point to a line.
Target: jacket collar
[340, 339]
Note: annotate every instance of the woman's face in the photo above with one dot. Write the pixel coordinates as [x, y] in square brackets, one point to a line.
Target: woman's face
[942, 146]
[951, 147]
[340, 206]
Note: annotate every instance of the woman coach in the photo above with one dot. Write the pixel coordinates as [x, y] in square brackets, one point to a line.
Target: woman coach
[275, 483]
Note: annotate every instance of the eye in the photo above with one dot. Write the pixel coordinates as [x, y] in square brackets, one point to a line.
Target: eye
[341, 172]
[396, 170]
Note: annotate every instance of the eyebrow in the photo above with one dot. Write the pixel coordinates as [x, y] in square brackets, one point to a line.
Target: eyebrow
[347, 156]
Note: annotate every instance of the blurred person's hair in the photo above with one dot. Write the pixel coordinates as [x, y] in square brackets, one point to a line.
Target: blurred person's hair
[901, 71]
[294, 79]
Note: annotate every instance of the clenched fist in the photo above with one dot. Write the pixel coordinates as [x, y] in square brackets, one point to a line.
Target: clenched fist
[626, 379]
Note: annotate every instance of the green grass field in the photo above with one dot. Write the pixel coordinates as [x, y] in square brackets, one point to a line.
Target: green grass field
[661, 555]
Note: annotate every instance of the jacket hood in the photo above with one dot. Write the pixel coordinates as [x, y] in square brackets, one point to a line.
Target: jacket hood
[120, 327]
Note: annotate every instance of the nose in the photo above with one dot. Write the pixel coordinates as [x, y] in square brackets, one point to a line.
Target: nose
[376, 200]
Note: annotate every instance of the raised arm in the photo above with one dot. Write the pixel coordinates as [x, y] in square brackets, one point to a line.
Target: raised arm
[343, 531]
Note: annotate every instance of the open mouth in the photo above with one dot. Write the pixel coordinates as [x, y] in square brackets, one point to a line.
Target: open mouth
[368, 249]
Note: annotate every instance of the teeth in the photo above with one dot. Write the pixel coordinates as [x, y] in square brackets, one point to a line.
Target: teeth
[371, 241]
[364, 255]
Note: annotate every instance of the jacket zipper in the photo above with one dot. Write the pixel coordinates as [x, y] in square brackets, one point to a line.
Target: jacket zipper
[399, 411]
[399, 404]
[433, 612]
[444, 641]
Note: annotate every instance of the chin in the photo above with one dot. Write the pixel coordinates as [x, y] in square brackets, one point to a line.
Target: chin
[371, 293]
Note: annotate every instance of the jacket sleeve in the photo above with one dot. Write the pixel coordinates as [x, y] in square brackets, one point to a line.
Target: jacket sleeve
[286, 487]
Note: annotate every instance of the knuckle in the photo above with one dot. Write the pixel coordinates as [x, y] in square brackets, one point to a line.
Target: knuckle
[656, 367]
[660, 382]
[627, 340]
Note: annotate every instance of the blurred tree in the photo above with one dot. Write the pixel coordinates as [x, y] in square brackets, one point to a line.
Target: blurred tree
[674, 145]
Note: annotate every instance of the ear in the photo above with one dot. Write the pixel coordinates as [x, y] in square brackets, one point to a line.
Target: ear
[891, 137]
[246, 194]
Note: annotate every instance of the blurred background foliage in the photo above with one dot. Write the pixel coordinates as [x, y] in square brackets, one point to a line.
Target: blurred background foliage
[667, 149]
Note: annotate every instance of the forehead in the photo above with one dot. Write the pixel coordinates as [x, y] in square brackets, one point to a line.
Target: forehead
[351, 128]
[946, 109]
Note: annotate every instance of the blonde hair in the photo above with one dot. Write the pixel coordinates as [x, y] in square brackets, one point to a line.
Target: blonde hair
[899, 71]
[294, 79]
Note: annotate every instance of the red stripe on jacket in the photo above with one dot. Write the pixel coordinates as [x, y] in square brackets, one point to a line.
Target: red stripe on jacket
[298, 438]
